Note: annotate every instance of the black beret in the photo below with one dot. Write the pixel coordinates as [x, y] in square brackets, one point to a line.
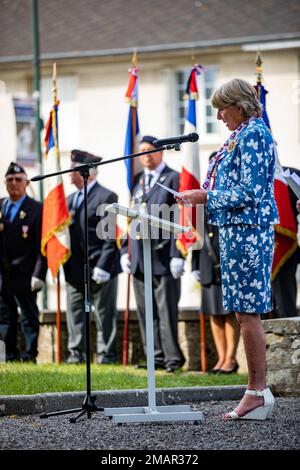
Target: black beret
[149, 139]
[14, 169]
[79, 156]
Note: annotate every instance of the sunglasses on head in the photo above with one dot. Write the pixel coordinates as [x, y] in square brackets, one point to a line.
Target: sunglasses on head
[18, 179]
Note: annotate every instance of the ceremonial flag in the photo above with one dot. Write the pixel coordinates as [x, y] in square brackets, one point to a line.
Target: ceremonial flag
[190, 172]
[133, 167]
[286, 230]
[132, 131]
[56, 217]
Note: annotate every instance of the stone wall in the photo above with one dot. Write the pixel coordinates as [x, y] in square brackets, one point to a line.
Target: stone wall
[188, 333]
[283, 355]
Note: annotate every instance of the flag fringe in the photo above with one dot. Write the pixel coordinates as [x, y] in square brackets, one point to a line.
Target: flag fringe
[62, 261]
[52, 233]
[285, 231]
[284, 258]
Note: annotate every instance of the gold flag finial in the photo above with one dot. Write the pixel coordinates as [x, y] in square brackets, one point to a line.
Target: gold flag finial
[54, 89]
[54, 110]
[259, 69]
[193, 57]
[134, 59]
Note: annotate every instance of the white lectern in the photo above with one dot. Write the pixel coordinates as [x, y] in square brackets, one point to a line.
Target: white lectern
[152, 412]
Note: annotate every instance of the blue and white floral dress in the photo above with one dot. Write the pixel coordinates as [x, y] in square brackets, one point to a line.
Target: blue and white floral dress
[242, 204]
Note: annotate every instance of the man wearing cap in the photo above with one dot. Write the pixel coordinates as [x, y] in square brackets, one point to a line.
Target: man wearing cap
[167, 261]
[104, 267]
[22, 266]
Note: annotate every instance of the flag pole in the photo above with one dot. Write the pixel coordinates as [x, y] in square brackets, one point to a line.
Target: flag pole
[58, 308]
[259, 69]
[127, 309]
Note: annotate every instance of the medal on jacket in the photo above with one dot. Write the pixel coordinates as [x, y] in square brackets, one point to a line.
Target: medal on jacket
[231, 146]
[25, 231]
[22, 215]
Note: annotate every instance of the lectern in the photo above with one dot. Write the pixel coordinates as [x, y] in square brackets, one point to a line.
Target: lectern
[152, 412]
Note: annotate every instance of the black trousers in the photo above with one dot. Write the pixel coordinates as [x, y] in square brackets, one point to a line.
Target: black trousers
[166, 294]
[13, 295]
[103, 297]
[284, 288]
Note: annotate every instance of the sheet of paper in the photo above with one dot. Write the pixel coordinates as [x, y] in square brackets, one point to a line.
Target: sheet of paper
[175, 193]
[293, 181]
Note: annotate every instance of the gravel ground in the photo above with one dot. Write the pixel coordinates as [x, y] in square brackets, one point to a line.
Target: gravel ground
[281, 432]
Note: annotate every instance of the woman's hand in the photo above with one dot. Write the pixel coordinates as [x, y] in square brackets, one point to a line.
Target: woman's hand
[193, 197]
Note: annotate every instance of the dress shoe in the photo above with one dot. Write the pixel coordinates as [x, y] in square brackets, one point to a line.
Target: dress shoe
[170, 369]
[260, 412]
[27, 358]
[231, 371]
[75, 359]
[144, 366]
[214, 371]
[105, 360]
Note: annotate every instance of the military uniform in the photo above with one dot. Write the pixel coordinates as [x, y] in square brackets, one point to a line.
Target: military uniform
[284, 286]
[104, 254]
[166, 289]
[20, 260]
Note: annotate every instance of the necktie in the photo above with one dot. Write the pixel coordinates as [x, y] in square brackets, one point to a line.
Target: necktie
[8, 214]
[148, 185]
[78, 200]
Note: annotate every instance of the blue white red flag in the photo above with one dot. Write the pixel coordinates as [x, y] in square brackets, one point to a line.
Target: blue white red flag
[286, 230]
[132, 132]
[55, 243]
[190, 171]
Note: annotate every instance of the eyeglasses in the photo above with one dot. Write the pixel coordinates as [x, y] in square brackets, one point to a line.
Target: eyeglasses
[17, 179]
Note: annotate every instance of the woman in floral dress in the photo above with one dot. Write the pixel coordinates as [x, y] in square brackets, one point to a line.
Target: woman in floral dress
[239, 196]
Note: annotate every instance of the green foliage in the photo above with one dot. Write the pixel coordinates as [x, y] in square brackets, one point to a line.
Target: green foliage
[28, 379]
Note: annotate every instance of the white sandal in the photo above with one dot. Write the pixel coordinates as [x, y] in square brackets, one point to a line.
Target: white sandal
[261, 412]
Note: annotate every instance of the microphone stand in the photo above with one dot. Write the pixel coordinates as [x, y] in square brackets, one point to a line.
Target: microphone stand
[89, 403]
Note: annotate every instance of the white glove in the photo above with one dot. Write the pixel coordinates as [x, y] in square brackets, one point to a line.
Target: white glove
[125, 263]
[177, 267]
[100, 276]
[36, 284]
[197, 275]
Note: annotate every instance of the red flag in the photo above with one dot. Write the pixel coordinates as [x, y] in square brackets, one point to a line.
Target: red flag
[190, 172]
[56, 218]
[286, 231]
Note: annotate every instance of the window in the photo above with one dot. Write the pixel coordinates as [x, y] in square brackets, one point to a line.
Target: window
[206, 115]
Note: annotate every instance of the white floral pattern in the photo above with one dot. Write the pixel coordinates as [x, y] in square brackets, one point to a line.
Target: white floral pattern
[246, 267]
[244, 183]
[243, 205]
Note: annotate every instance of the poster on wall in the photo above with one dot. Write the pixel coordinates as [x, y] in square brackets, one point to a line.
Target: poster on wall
[25, 109]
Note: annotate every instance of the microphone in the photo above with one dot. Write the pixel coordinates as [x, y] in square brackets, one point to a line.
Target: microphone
[180, 139]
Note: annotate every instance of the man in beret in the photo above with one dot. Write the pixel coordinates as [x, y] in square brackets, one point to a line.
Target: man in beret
[104, 267]
[23, 268]
[167, 261]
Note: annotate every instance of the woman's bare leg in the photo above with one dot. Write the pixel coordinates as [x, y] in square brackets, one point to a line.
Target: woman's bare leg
[255, 349]
[232, 335]
[217, 324]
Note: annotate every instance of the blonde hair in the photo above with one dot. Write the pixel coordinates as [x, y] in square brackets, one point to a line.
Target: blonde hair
[240, 93]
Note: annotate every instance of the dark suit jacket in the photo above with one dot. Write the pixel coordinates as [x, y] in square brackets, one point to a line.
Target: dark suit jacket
[163, 249]
[20, 243]
[204, 261]
[103, 253]
[293, 198]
